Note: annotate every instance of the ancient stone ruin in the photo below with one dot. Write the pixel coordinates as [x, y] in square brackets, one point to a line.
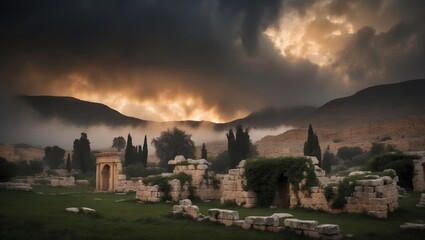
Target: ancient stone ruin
[374, 195]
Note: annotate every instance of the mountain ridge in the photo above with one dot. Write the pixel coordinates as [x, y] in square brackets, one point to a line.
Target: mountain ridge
[373, 104]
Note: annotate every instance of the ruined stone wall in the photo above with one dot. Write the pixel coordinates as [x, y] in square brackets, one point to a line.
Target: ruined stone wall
[376, 197]
[124, 185]
[232, 185]
[202, 178]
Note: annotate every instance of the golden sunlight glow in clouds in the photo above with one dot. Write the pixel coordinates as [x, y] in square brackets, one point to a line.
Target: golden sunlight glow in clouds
[165, 106]
[310, 35]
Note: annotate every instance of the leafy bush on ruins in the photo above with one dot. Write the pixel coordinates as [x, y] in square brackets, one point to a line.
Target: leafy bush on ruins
[164, 186]
[262, 176]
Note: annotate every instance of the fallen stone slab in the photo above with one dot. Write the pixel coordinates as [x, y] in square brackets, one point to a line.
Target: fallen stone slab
[413, 226]
[263, 220]
[282, 215]
[72, 210]
[328, 229]
[87, 210]
[216, 213]
[301, 224]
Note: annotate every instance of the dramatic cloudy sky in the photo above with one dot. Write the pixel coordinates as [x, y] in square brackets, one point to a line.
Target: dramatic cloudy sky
[208, 59]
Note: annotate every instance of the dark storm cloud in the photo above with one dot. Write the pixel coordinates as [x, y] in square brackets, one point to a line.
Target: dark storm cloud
[393, 55]
[207, 48]
[214, 50]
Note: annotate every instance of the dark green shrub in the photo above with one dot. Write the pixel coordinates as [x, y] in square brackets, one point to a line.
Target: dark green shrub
[401, 163]
[7, 170]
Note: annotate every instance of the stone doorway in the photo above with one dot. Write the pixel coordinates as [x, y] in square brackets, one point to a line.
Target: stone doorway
[105, 177]
[282, 194]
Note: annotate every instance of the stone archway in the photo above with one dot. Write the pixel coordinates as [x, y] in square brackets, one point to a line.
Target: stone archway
[108, 169]
[106, 174]
[282, 198]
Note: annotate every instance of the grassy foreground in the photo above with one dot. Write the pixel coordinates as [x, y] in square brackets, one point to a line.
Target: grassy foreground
[41, 215]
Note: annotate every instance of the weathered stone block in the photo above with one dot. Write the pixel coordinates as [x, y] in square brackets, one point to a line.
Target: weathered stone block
[282, 215]
[72, 210]
[328, 229]
[300, 224]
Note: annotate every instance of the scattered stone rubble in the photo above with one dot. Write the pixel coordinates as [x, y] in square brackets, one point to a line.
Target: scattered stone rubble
[311, 228]
[186, 208]
[271, 223]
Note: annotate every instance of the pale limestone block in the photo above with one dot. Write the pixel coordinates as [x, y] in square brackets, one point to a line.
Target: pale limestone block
[282, 215]
[300, 224]
[72, 210]
[328, 229]
[88, 210]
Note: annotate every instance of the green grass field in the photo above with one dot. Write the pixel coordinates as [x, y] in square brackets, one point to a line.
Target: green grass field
[42, 216]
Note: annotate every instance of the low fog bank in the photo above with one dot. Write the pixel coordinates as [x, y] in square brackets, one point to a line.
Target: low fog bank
[21, 124]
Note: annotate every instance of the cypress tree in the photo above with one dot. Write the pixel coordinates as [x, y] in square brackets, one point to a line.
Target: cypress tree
[231, 148]
[145, 152]
[68, 163]
[130, 156]
[81, 153]
[139, 154]
[239, 147]
[327, 160]
[204, 153]
[312, 146]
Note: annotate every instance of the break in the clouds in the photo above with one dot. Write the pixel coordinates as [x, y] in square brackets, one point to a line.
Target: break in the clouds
[208, 59]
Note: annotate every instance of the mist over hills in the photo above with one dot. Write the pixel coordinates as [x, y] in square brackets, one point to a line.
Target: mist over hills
[373, 104]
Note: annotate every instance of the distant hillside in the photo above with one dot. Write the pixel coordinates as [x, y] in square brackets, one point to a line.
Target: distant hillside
[269, 117]
[378, 103]
[78, 112]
